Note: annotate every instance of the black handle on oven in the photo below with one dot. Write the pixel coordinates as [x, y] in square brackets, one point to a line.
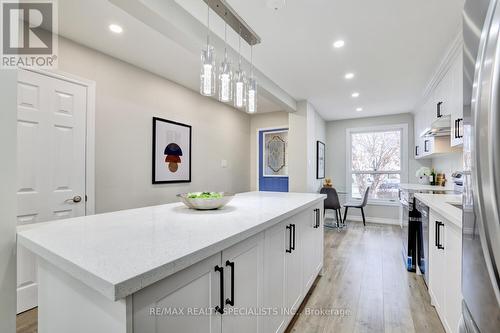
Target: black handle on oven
[220, 309]
[289, 250]
[230, 301]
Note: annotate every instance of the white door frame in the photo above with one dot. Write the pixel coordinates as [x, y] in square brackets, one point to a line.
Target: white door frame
[258, 149]
[89, 130]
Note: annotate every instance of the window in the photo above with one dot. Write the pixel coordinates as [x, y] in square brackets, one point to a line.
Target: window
[377, 158]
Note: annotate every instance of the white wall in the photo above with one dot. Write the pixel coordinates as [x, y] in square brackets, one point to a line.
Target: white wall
[297, 149]
[448, 164]
[259, 121]
[8, 138]
[305, 127]
[336, 156]
[126, 100]
[316, 129]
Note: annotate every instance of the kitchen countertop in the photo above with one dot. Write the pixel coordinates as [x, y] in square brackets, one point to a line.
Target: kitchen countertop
[420, 187]
[442, 204]
[122, 252]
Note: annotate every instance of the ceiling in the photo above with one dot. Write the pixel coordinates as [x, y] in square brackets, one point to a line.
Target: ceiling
[392, 47]
[87, 21]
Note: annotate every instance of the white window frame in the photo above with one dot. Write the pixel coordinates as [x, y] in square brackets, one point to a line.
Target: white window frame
[404, 159]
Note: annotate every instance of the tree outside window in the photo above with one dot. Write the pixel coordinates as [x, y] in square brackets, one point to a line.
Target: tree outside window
[376, 162]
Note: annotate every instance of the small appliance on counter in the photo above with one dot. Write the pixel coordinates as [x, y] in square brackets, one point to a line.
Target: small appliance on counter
[458, 181]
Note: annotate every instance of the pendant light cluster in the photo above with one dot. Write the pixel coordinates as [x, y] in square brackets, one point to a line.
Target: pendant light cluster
[231, 87]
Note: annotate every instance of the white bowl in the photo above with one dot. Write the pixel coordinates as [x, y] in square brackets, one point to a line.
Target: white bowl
[205, 204]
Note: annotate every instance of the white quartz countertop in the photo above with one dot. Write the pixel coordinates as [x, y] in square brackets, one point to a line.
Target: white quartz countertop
[443, 205]
[122, 252]
[420, 187]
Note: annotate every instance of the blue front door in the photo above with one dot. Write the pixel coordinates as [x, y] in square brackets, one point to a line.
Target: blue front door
[274, 183]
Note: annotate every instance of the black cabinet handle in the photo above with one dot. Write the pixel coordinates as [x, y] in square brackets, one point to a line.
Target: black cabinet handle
[318, 217]
[439, 115]
[456, 128]
[289, 250]
[416, 150]
[231, 301]
[220, 309]
[439, 245]
[426, 149]
[459, 133]
[293, 237]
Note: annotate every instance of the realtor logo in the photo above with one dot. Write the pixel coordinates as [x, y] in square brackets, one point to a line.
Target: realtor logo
[29, 34]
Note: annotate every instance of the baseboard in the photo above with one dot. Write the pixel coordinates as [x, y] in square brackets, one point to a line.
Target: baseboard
[376, 220]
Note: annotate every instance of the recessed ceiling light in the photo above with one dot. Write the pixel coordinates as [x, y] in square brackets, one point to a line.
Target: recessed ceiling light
[355, 94]
[349, 76]
[338, 44]
[359, 109]
[116, 28]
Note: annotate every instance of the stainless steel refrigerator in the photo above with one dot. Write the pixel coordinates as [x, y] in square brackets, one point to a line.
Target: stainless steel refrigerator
[481, 199]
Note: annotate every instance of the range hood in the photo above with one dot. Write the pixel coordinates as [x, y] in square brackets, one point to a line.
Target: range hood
[439, 127]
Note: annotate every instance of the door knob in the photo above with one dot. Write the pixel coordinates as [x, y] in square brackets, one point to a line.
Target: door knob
[75, 199]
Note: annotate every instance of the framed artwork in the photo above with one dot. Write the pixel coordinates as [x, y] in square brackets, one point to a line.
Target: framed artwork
[275, 154]
[171, 152]
[320, 160]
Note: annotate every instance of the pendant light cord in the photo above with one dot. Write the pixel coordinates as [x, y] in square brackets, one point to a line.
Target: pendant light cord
[239, 50]
[251, 61]
[208, 23]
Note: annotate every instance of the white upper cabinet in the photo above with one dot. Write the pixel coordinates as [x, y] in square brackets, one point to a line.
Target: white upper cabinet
[457, 120]
[443, 103]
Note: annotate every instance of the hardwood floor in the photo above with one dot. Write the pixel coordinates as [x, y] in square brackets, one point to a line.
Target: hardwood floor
[364, 288]
[27, 321]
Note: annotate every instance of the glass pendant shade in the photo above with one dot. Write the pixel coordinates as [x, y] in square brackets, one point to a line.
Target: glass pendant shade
[207, 76]
[225, 81]
[240, 89]
[252, 96]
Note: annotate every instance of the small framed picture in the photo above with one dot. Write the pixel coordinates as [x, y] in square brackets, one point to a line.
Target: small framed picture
[171, 152]
[320, 160]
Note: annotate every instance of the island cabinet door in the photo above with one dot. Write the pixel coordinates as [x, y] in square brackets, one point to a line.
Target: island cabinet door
[275, 247]
[184, 302]
[308, 249]
[293, 264]
[243, 286]
[319, 238]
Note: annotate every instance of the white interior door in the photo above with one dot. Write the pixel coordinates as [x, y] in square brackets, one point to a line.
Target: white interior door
[51, 131]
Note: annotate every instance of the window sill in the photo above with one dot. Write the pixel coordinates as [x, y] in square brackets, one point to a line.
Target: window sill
[384, 203]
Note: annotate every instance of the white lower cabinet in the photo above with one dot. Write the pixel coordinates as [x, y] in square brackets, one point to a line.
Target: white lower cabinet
[275, 245]
[445, 276]
[157, 308]
[264, 279]
[243, 280]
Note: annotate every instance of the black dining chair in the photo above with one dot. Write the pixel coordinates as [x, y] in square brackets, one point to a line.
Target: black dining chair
[360, 204]
[332, 202]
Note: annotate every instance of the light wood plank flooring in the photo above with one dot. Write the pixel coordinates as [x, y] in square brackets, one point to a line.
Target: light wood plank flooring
[364, 288]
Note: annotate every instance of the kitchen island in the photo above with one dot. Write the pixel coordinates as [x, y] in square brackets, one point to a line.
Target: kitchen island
[246, 267]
